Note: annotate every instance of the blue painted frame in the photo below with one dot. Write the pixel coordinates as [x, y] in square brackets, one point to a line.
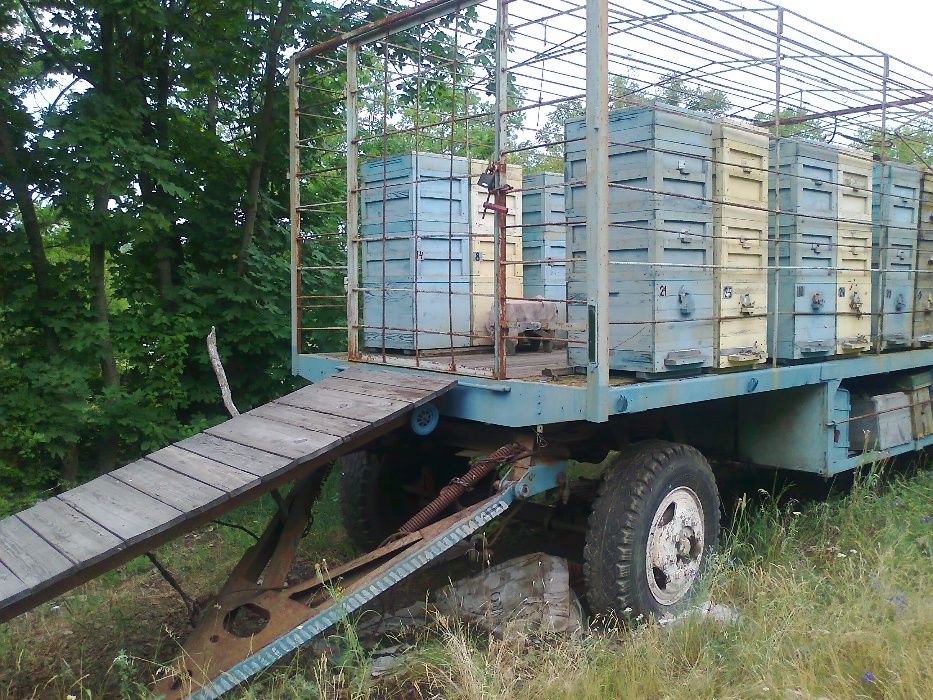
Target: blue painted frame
[521, 403]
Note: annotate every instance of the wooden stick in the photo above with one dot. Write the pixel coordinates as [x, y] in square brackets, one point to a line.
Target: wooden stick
[219, 371]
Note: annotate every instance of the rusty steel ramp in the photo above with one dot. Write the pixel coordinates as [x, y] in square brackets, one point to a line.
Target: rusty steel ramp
[64, 541]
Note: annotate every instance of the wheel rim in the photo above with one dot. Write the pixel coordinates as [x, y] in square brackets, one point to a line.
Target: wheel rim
[675, 546]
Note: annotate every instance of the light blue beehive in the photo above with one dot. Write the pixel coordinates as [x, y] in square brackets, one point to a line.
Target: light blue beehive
[661, 225]
[895, 210]
[416, 251]
[544, 237]
[802, 245]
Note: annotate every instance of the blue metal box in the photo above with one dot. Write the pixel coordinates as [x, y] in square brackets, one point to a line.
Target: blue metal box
[440, 311]
[544, 216]
[802, 246]
[658, 159]
[895, 210]
[416, 245]
[661, 316]
[422, 187]
[553, 266]
[923, 296]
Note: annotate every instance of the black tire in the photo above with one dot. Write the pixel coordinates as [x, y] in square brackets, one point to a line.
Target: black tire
[373, 493]
[634, 487]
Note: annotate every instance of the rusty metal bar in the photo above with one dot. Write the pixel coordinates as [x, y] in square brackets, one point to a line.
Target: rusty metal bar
[778, 36]
[294, 189]
[419, 14]
[353, 203]
[499, 229]
[882, 106]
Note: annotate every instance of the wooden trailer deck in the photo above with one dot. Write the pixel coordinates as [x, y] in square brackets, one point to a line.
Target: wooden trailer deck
[68, 539]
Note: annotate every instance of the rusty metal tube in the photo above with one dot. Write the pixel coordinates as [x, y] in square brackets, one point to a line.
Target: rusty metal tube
[456, 488]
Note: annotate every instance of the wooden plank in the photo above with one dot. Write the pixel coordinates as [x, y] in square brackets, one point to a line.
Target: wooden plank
[425, 382]
[337, 426]
[396, 393]
[170, 487]
[205, 470]
[81, 540]
[121, 509]
[278, 438]
[339, 403]
[28, 556]
[10, 585]
[248, 459]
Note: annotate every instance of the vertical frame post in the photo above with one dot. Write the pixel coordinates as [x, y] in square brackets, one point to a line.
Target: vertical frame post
[500, 144]
[294, 164]
[776, 165]
[353, 213]
[884, 237]
[597, 209]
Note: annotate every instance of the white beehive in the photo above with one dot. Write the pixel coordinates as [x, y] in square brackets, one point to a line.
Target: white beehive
[740, 245]
[853, 252]
[482, 246]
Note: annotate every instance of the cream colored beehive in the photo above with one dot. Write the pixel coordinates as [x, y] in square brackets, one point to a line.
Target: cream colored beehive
[482, 252]
[853, 252]
[923, 293]
[740, 248]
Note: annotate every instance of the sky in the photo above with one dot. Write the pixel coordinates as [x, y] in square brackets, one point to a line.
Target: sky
[902, 28]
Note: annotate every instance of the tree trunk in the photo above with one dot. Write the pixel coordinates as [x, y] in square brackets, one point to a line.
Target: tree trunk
[262, 136]
[41, 271]
[97, 256]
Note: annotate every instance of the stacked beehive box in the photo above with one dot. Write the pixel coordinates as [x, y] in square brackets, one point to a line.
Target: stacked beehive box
[923, 297]
[660, 240]
[740, 246]
[415, 216]
[853, 252]
[482, 247]
[895, 210]
[544, 237]
[802, 249]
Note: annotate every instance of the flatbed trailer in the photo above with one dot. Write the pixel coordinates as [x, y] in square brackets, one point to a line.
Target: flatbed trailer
[435, 442]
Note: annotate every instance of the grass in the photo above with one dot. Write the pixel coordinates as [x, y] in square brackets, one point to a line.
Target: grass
[835, 600]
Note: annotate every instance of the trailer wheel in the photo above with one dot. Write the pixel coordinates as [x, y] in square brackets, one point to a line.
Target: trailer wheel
[651, 529]
[380, 489]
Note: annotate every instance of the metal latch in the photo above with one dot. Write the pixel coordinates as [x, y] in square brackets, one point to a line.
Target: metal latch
[855, 303]
[746, 168]
[817, 301]
[900, 303]
[682, 167]
[685, 236]
[685, 302]
[746, 304]
[487, 179]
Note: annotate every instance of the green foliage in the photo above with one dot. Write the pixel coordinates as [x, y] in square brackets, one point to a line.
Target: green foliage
[132, 129]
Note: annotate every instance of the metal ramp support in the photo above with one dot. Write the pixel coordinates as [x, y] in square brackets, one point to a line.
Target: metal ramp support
[64, 541]
[217, 657]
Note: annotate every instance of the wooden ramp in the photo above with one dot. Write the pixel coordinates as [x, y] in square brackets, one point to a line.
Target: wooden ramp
[77, 535]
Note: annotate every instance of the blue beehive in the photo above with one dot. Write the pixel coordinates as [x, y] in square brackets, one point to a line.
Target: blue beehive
[544, 214]
[802, 246]
[416, 251]
[660, 240]
[544, 237]
[895, 207]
